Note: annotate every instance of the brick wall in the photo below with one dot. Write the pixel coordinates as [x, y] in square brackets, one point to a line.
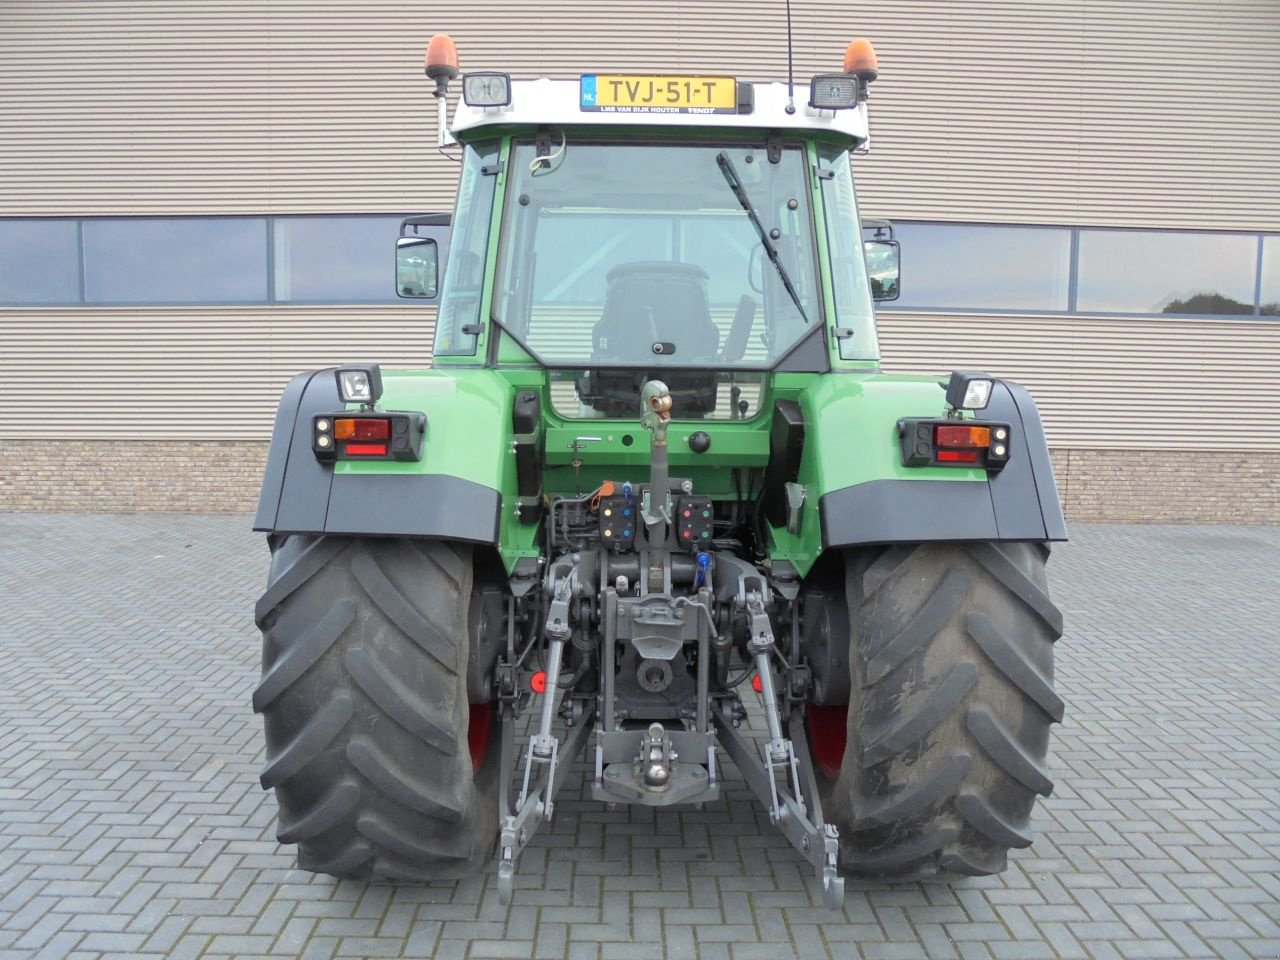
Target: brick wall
[1174, 487]
[133, 477]
[223, 477]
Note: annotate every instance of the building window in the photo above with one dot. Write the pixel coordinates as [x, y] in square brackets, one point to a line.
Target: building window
[39, 261]
[984, 267]
[351, 259]
[335, 259]
[207, 260]
[1269, 298]
[1141, 271]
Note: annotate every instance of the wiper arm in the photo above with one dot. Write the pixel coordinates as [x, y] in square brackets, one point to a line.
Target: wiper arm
[739, 191]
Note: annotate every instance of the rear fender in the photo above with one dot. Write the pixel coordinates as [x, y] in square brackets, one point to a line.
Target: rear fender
[453, 493]
[858, 492]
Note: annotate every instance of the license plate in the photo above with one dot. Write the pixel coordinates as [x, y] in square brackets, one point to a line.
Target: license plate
[633, 93]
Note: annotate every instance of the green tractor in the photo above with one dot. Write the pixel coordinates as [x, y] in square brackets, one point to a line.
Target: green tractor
[654, 485]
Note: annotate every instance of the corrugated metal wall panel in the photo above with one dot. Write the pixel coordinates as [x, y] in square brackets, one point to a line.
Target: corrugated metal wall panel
[185, 373]
[1137, 112]
[1105, 382]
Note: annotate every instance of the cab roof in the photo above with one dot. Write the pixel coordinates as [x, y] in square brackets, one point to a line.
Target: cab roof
[555, 103]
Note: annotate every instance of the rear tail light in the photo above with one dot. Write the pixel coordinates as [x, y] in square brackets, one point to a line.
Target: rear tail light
[387, 436]
[947, 435]
[953, 443]
[366, 449]
[958, 456]
[361, 428]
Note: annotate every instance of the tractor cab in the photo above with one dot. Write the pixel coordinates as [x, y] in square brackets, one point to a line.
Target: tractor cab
[702, 231]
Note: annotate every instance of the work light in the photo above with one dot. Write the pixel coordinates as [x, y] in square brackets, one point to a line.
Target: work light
[486, 89]
[833, 91]
[969, 390]
[360, 384]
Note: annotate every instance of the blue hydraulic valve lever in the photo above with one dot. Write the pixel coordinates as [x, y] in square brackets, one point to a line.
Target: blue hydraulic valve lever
[704, 561]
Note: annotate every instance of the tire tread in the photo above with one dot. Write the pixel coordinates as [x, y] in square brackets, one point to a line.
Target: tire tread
[1015, 665]
[366, 709]
[393, 604]
[325, 815]
[952, 700]
[400, 703]
[941, 606]
[915, 727]
[309, 742]
[297, 659]
[1005, 751]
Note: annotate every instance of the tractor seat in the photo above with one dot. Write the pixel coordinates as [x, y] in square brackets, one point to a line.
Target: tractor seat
[656, 301]
[650, 302]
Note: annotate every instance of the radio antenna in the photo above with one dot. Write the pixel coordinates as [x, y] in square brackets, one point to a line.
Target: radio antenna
[791, 87]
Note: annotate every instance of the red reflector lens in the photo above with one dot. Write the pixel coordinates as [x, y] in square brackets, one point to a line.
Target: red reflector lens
[538, 682]
[372, 430]
[756, 684]
[956, 436]
[366, 449]
[957, 456]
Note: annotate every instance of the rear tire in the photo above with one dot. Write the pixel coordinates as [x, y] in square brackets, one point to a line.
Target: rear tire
[947, 732]
[364, 700]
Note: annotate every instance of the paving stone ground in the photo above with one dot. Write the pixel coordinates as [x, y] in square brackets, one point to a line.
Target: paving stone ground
[132, 823]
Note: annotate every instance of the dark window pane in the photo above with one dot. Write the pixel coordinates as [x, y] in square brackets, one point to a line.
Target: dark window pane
[336, 258]
[1137, 271]
[1271, 276]
[39, 262]
[175, 261]
[984, 268]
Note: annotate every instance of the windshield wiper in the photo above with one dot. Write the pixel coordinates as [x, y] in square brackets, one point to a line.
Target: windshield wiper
[739, 191]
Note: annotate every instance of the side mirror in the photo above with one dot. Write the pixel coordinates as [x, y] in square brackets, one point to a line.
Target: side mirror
[417, 268]
[882, 268]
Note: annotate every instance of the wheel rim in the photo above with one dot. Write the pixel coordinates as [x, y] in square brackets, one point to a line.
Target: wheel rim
[478, 729]
[828, 733]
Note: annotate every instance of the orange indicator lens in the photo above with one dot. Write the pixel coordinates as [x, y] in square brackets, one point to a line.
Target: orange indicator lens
[361, 429]
[957, 436]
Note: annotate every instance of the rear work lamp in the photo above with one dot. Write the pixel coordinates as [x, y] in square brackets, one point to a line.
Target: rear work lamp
[954, 443]
[486, 89]
[359, 383]
[969, 390]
